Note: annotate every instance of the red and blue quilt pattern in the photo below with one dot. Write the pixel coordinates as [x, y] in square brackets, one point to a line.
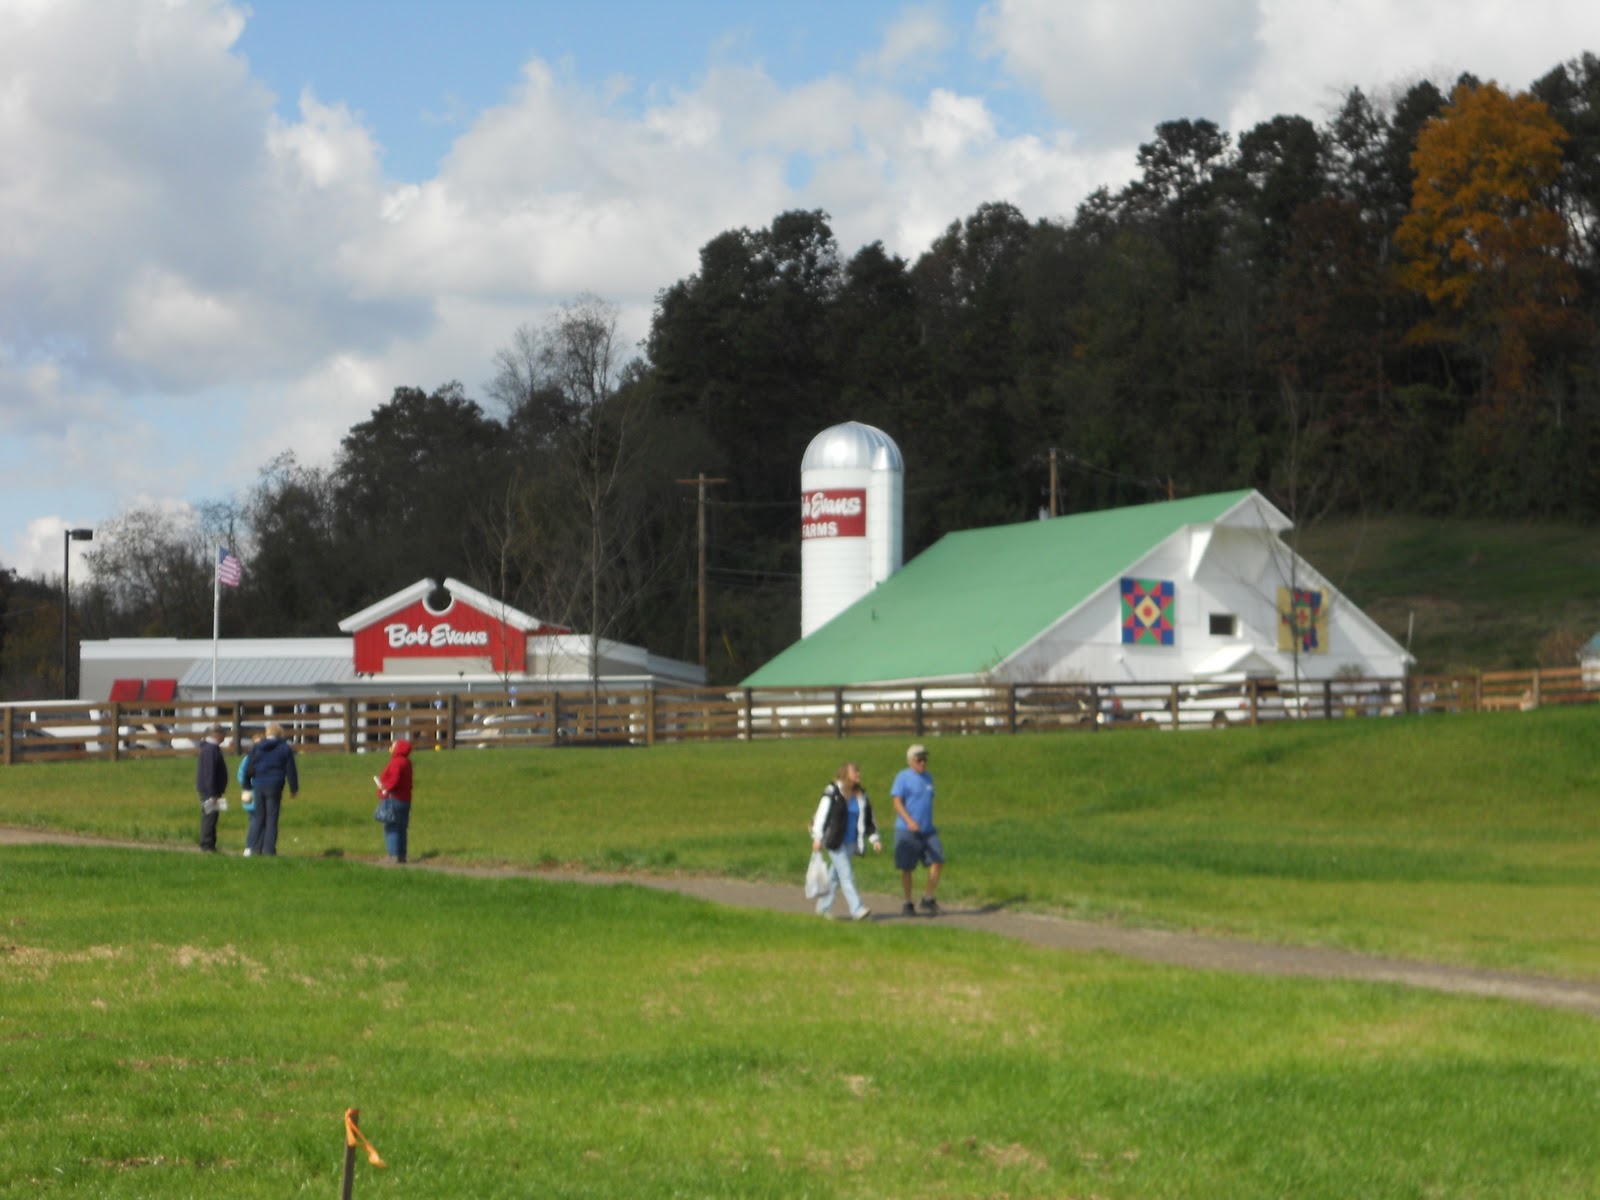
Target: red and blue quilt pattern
[1147, 612]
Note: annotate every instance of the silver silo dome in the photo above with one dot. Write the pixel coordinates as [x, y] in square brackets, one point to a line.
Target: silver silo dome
[853, 446]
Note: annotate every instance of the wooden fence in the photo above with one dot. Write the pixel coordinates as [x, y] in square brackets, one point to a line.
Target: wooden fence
[47, 731]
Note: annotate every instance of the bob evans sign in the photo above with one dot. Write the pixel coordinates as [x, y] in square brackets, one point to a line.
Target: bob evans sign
[441, 634]
[833, 513]
[460, 631]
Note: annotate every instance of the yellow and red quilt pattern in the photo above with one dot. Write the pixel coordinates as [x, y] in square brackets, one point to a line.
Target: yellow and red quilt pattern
[1302, 620]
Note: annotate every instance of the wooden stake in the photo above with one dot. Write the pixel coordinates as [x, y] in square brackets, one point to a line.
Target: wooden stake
[349, 1158]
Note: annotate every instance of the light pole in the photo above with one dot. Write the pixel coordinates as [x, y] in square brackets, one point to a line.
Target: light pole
[68, 536]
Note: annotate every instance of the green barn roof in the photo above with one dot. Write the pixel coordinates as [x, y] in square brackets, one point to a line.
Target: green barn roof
[973, 599]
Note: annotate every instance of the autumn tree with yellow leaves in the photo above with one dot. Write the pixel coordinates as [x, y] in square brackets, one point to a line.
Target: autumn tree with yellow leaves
[1484, 241]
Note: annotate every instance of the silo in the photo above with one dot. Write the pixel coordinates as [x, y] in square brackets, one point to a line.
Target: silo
[852, 505]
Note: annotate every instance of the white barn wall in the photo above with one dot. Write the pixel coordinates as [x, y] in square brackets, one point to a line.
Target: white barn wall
[1224, 570]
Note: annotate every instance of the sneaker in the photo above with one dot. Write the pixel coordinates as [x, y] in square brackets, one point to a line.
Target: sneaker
[910, 910]
[930, 906]
[862, 915]
[247, 855]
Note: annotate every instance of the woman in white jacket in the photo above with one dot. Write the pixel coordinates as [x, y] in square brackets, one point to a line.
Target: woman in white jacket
[843, 826]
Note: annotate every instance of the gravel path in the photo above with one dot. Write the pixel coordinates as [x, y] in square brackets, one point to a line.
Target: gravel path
[1194, 951]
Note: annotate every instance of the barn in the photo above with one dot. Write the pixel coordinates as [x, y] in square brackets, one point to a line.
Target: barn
[1199, 589]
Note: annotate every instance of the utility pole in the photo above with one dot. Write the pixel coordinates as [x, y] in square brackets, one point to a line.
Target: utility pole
[699, 483]
[68, 536]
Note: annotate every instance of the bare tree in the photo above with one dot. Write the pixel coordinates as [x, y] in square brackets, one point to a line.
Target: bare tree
[1309, 493]
[534, 407]
[580, 524]
[513, 534]
[151, 572]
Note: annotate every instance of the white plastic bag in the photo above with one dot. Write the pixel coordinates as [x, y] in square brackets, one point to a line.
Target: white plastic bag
[816, 875]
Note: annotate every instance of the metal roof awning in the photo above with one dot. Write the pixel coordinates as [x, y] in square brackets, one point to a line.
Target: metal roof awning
[311, 674]
[1241, 660]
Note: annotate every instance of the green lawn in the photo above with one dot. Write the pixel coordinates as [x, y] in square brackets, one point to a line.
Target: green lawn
[178, 1025]
[187, 1025]
[1470, 839]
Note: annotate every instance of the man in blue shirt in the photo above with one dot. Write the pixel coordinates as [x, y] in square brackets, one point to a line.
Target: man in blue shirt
[916, 841]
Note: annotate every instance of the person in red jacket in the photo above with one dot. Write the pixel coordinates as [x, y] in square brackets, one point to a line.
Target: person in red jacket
[395, 784]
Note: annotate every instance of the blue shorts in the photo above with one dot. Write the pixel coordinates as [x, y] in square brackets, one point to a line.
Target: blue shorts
[913, 850]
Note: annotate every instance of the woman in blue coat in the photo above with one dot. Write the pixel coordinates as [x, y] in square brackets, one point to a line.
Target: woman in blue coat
[271, 769]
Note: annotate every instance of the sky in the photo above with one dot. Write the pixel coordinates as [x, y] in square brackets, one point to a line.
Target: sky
[230, 230]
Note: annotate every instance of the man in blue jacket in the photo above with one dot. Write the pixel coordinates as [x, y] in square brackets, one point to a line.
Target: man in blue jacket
[211, 781]
[271, 769]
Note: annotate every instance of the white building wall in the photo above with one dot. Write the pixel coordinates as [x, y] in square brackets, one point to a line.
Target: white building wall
[555, 661]
[1224, 571]
[835, 572]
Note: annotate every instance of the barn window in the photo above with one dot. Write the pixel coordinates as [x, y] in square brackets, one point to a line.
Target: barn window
[1224, 625]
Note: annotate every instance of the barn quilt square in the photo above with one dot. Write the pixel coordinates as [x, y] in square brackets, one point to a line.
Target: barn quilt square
[1302, 620]
[1147, 612]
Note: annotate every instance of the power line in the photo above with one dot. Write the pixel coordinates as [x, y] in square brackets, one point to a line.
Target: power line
[754, 573]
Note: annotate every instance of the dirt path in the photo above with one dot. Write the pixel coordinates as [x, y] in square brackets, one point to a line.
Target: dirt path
[1193, 951]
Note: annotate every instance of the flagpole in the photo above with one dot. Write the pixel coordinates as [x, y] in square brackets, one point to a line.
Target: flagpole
[216, 617]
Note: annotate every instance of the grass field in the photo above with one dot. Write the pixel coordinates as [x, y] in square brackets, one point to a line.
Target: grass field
[1476, 595]
[1470, 839]
[185, 1026]
[180, 1025]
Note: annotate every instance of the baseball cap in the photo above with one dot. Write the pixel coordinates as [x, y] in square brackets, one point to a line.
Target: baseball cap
[918, 750]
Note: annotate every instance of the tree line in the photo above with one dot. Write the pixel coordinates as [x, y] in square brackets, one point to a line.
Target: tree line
[1395, 310]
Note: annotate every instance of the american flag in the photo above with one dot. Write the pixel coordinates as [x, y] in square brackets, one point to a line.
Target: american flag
[229, 569]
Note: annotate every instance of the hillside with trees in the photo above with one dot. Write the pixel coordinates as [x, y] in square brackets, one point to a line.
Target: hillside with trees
[1394, 312]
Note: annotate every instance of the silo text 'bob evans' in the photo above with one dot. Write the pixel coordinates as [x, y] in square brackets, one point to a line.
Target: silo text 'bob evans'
[841, 512]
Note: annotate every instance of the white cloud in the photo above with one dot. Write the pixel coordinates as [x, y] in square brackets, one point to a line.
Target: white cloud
[177, 235]
[1113, 69]
[910, 46]
[953, 125]
[327, 148]
[40, 548]
[1381, 47]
